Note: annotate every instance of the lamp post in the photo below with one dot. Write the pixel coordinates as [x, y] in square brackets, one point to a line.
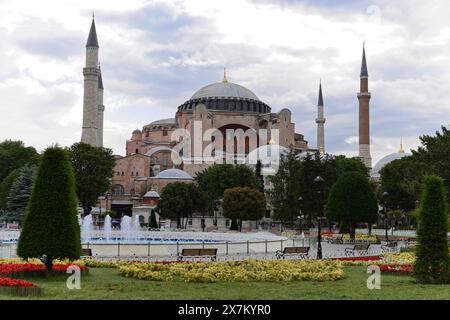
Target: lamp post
[385, 198]
[319, 182]
[300, 217]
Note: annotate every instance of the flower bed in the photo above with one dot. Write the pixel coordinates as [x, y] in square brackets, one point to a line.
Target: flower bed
[237, 271]
[396, 268]
[10, 285]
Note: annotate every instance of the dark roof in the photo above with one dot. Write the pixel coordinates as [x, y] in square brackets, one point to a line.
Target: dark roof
[364, 72]
[320, 101]
[100, 79]
[92, 39]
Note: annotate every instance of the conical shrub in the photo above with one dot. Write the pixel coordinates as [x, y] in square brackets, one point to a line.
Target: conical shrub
[50, 230]
[432, 263]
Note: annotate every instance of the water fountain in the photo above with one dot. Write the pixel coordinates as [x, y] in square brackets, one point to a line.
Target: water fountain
[86, 228]
[107, 227]
[135, 227]
[125, 228]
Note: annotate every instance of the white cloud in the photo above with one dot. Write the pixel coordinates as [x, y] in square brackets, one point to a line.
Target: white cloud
[155, 54]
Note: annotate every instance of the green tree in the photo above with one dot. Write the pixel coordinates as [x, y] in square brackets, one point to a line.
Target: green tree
[344, 164]
[153, 223]
[259, 176]
[93, 169]
[402, 180]
[352, 200]
[214, 180]
[243, 204]
[5, 187]
[180, 200]
[435, 154]
[432, 264]
[50, 230]
[14, 155]
[286, 188]
[19, 194]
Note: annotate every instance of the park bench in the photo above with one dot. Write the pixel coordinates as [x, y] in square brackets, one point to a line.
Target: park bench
[301, 252]
[390, 246]
[358, 249]
[336, 239]
[86, 253]
[198, 253]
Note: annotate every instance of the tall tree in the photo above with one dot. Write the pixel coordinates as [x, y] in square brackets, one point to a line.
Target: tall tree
[214, 180]
[402, 180]
[433, 262]
[93, 167]
[259, 176]
[5, 187]
[344, 164]
[19, 194]
[435, 154]
[243, 204]
[286, 188]
[180, 200]
[14, 155]
[50, 230]
[352, 200]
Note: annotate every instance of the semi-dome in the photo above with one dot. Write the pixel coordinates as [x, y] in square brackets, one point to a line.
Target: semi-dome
[387, 159]
[224, 89]
[175, 174]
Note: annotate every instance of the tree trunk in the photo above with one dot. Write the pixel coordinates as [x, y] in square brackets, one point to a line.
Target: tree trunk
[352, 230]
[369, 226]
[48, 262]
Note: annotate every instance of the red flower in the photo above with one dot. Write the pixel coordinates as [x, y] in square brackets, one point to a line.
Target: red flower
[7, 282]
[396, 268]
[358, 259]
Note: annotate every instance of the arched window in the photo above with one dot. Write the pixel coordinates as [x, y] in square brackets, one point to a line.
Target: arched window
[118, 190]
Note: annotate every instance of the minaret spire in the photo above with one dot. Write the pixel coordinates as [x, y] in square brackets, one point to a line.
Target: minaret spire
[320, 120]
[364, 113]
[92, 40]
[364, 72]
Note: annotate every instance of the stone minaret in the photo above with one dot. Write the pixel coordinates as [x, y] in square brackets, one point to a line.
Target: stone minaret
[91, 93]
[320, 120]
[101, 109]
[364, 114]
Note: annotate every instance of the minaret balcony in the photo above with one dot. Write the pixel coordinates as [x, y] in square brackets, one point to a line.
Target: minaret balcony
[364, 94]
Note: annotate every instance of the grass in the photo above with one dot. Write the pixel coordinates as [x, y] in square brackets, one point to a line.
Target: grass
[105, 283]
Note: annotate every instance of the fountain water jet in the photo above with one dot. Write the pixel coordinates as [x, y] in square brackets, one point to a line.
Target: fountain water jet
[107, 227]
[87, 228]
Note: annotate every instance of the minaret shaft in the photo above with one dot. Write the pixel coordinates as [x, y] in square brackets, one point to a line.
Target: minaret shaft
[364, 114]
[320, 120]
[92, 131]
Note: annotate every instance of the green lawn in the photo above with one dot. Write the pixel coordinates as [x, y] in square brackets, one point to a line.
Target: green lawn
[106, 283]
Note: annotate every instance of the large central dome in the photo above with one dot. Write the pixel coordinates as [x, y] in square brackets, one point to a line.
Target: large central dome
[224, 89]
[226, 97]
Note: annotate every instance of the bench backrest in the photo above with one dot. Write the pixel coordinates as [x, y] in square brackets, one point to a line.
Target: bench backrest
[190, 252]
[86, 252]
[361, 246]
[208, 252]
[303, 250]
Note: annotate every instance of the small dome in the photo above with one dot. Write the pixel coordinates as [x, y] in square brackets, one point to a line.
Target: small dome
[137, 131]
[164, 121]
[151, 194]
[224, 89]
[175, 174]
[384, 161]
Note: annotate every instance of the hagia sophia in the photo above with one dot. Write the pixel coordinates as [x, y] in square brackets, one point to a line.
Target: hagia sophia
[147, 166]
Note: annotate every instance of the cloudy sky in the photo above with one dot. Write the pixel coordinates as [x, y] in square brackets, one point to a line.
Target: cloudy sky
[156, 54]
